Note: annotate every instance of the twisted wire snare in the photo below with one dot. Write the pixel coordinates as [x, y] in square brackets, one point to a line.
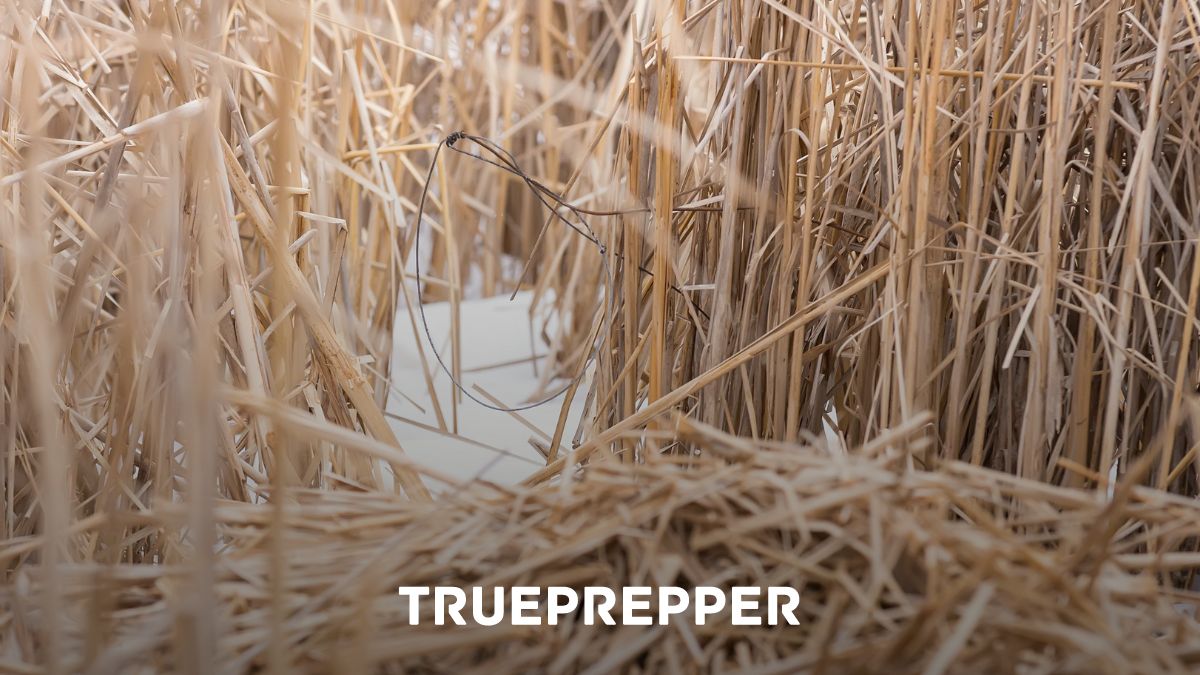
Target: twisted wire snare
[509, 164]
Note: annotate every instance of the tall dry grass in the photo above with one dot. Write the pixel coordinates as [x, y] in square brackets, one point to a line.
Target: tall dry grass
[982, 211]
[823, 218]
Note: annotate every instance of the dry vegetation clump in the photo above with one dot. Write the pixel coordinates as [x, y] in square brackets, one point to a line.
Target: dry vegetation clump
[985, 211]
[960, 570]
[950, 244]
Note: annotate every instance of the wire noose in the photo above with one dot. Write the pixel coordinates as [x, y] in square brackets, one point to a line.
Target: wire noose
[508, 163]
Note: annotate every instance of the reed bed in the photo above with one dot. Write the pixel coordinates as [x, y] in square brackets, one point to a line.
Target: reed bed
[981, 211]
[935, 260]
[960, 570]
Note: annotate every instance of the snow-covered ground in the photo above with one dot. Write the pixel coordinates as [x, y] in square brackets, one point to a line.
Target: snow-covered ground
[498, 355]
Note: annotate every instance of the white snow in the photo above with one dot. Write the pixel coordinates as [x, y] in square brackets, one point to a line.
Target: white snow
[494, 445]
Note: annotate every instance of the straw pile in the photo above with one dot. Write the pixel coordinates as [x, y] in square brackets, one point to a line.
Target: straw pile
[953, 244]
[963, 570]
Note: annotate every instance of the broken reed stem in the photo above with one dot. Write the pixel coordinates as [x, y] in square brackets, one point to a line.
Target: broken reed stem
[900, 70]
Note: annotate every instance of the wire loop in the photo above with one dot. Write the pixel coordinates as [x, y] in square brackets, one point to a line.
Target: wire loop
[505, 161]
